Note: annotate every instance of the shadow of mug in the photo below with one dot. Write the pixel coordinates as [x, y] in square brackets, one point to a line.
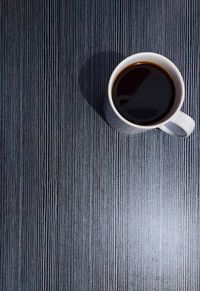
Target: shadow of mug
[94, 76]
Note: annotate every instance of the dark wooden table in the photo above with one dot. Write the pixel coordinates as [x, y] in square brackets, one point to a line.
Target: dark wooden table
[84, 208]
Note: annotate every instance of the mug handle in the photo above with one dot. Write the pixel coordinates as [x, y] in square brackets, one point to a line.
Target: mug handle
[180, 125]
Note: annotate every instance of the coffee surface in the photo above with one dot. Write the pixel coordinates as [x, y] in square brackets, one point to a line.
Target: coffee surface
[143, 93]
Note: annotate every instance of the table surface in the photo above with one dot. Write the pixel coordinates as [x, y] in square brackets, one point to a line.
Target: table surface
[82, 207]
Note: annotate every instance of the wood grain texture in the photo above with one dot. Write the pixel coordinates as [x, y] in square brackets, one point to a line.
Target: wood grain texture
[83, 208]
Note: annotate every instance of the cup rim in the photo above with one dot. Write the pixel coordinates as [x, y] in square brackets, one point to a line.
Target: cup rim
[113, 77]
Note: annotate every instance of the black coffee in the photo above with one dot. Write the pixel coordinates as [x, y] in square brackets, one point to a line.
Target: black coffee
[143, 93]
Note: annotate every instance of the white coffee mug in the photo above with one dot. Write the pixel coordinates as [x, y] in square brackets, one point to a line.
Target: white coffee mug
[175, 122]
